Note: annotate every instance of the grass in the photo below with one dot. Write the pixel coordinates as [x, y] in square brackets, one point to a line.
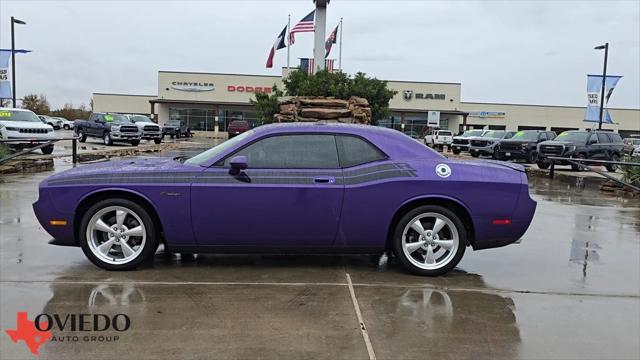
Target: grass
[4, 151]
[631, 174]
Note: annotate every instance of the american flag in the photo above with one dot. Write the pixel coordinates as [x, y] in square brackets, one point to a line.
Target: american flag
[308, 65]
[333, 37]
[305, 25]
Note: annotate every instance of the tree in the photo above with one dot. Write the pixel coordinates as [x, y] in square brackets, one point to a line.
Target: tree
[70, 113]
[267, 105]
[36, 103]
[342, 86]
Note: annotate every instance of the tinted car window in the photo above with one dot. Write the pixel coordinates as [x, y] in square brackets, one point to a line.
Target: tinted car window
[593, 139]
[543, 136]
[615, 138]
[355, 151]
[603, 138]
[291, 151]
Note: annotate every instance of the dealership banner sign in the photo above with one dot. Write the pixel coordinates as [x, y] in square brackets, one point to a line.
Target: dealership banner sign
[594, 92]
[5, 83]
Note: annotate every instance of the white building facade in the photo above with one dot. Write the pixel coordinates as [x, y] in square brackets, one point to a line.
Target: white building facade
[209, 101]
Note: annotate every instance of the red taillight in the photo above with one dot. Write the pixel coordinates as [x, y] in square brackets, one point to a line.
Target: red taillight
[501, 221]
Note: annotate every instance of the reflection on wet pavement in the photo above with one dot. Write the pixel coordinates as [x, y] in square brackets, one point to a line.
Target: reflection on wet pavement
[571, 289]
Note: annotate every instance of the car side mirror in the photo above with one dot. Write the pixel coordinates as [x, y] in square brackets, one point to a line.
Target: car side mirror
[238, 163]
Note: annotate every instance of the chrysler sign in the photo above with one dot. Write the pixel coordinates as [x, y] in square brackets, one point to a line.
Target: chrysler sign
[193, 86]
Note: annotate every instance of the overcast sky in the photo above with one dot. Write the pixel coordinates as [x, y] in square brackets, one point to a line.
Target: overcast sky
[501, 51]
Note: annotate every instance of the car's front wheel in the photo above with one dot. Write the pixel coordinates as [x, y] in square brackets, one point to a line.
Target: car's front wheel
[429, 240]
[107, 139]
[82, 137]
[65, 126]
[455, 151]
[118, 234]
[47, 149]
[157, 140]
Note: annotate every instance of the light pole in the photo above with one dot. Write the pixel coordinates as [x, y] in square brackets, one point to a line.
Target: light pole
[13, 58]
[604, 78]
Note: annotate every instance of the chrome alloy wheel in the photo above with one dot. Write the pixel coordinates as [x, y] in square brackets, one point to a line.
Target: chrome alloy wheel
[430, 241]
[116, 235]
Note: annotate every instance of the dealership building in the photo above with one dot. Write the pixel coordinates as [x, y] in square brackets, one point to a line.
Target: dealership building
[210, 101]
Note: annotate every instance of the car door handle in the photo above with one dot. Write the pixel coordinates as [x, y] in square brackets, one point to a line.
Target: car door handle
[324, 180]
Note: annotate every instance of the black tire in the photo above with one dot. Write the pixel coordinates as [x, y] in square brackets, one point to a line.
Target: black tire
[475, 154]
[135, 142]
[398, 239]
[576, 167]
[613, 167]
[455, 151]
[151, 244]
[82, 137]
[532, 157]
[171, 136]
[544, 164]
[157, 140]
[65, 126]
[106, 138]
[178, 135]
[47, 149]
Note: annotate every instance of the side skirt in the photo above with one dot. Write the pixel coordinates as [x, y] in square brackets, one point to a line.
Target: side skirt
[231, 249]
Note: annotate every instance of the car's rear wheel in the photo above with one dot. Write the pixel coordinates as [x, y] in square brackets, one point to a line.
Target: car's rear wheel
[118, 234]
[613, 167]
[475, 154]
[455, 151]
[82, 137]
[65, 126]
[429, 240]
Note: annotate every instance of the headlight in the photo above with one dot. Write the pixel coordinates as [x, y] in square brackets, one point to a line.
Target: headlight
[49, 130]
[490, 142]
[571, 148]
[115, 127]
[524, 146]
[12, 129]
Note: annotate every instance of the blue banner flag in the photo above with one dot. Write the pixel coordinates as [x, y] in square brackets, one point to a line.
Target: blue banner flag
[594, 92]
[5, 83]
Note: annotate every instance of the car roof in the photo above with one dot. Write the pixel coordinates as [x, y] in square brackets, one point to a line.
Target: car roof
[322, 126]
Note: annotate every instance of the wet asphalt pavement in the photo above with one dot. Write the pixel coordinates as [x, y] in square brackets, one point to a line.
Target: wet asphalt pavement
[571, 289]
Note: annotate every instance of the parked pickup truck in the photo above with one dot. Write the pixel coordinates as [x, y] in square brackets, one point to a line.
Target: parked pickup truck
[461, 142]
[108, 127]
[439, 139]
[596, 145]
[522, 145]
[21, 124]
[150, 130]
[486, 144]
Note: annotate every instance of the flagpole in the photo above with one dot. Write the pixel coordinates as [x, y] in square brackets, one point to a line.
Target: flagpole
[340, 48]
[288, 40]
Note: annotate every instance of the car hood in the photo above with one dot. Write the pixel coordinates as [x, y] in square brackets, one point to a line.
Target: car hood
[25, 124]
[146, 123]
[517, 141]
[133, 166]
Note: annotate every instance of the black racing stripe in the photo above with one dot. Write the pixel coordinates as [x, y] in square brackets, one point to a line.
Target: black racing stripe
[253, 176]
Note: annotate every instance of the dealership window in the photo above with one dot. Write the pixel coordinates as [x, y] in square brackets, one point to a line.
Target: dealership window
[291, 152]
[227, 115]
[196, 119]
[524, 127]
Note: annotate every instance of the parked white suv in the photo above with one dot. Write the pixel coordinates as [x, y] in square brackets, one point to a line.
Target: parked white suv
[24, 124]
[439, 138]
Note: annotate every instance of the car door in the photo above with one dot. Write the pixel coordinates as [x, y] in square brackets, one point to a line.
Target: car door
[604, 147]
[289, 196]
[593, 150]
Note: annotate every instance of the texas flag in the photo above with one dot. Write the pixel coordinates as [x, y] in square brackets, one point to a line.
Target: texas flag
[279, 44]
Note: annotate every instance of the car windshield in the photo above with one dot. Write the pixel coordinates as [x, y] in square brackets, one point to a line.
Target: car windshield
[444, 133]
[61, 118]
[572, 136]
[139, 118]
[173, 123]
[469, 133]
[14, 115]
[525, 135]
[116, 118]
[218, 149]
[493, 134]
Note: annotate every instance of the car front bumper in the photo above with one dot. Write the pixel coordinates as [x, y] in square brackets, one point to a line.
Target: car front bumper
[125, 136]
[511, 154]
[485, 150]
[461, 147]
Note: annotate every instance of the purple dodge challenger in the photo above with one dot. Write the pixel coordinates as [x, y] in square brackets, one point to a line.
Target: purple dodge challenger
[303, 188]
